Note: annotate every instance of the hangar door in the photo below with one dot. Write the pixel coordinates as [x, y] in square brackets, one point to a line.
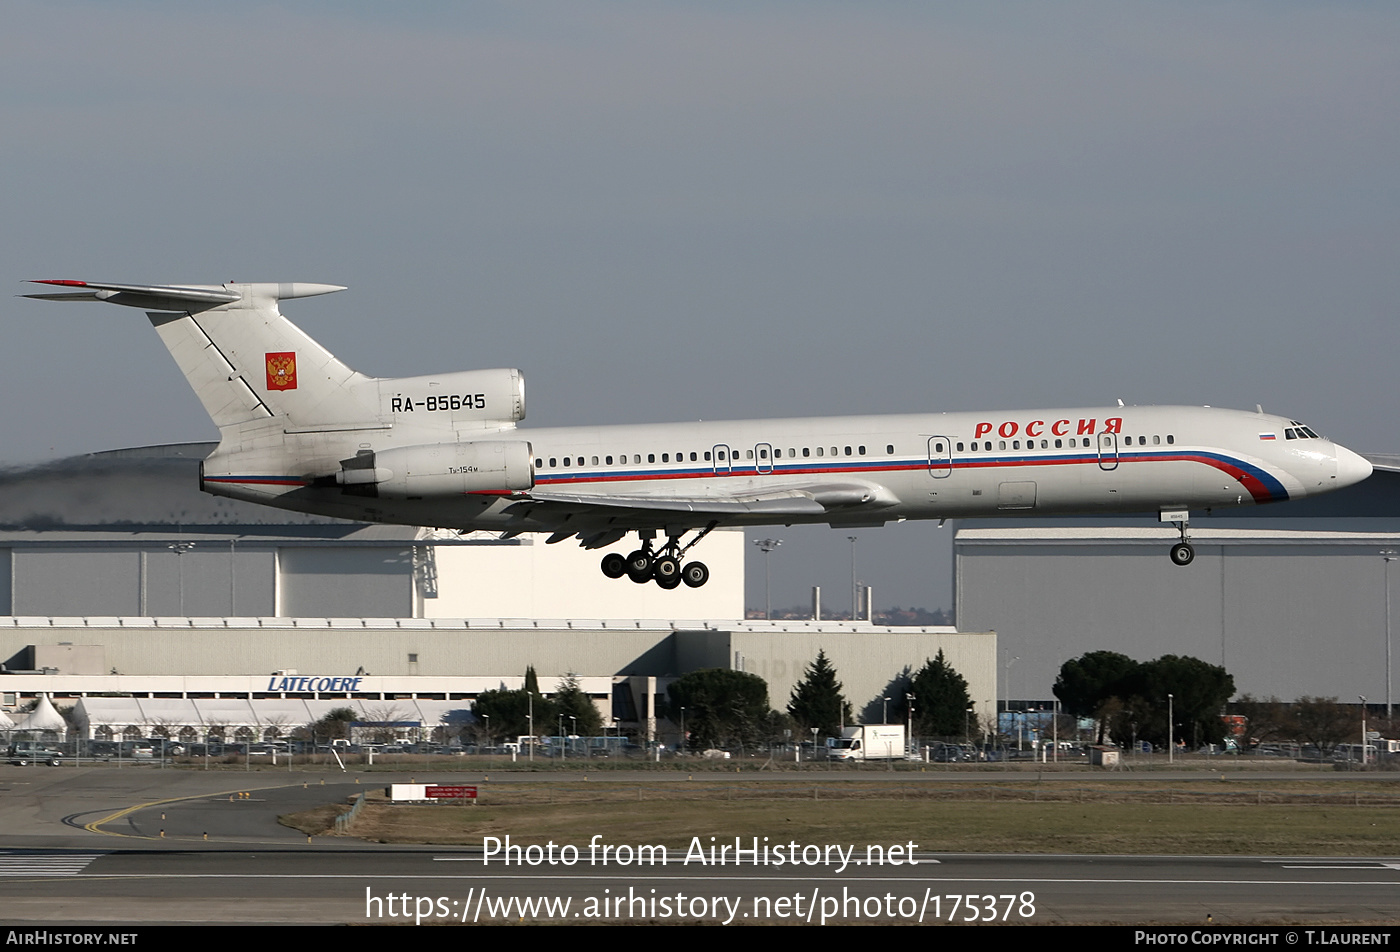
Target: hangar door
[345, 581]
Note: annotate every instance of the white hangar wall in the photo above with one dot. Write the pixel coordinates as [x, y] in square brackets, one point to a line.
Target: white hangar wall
[536, 580]
[1287, 613]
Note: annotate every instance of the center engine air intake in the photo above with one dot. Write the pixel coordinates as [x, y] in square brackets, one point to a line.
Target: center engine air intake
[440, 469]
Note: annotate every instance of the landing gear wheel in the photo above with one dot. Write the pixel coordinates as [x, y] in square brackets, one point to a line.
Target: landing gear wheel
[667, 569]
[614, 565]
[695, 574]
[639, 566]
[668, 583]
[1182, 553]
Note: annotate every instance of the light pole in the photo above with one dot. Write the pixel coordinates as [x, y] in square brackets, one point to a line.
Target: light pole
[909, 730]
[885, 711]
[855, 604]
[1009, 663]
[1171, 746]
[1389, 555]
[767, 546]
[1363, 730]
[180, 548]
[488, 729]
[682, 743]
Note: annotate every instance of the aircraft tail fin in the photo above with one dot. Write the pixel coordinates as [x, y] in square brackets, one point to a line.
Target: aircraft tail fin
[245, 361]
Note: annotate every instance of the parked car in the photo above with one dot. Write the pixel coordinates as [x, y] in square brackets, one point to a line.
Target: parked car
[23, 753]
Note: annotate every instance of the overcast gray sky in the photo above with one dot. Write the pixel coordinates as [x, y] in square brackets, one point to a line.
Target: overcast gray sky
[672, 211]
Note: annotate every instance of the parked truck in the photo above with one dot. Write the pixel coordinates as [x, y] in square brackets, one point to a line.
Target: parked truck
[868, 742]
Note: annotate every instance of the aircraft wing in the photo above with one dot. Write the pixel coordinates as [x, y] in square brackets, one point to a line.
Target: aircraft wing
[592, 516]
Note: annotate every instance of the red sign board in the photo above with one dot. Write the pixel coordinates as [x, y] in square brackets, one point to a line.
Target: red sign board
[434, 792]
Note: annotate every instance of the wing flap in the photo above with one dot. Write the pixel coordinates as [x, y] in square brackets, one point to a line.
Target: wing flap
[792, 503]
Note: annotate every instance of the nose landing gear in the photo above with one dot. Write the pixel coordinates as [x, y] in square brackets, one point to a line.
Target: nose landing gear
[666, 567]
[1182, 553]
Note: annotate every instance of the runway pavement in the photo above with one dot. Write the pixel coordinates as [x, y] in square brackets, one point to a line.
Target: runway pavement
[84, 846]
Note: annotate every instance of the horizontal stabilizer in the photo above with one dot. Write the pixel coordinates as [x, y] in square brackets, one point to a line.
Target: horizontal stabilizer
[179, 297]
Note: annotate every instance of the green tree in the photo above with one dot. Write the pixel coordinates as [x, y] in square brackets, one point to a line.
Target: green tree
[1089, 680]
[509, 713]
[940, 699]
[570, 701]
[1129, 698]
[817, 700]
[721, 706]
[334, 724]
[1199, 691]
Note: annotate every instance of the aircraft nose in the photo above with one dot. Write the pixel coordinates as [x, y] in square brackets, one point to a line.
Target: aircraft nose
[1351, 467]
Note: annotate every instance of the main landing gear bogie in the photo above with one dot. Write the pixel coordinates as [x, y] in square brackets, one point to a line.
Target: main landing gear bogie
[665, 568]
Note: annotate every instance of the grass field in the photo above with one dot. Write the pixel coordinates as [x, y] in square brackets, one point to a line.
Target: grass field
[1214, 816]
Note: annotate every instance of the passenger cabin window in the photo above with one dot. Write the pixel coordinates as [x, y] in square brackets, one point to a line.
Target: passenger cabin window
[889, 448]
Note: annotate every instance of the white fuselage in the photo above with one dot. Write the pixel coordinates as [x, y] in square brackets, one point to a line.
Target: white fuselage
[913, 466]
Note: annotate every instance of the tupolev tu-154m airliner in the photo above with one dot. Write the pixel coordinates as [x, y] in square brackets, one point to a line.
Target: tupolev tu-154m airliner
[300, 430]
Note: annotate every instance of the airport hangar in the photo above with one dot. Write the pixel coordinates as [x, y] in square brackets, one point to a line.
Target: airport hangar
[121, 578]
[1293, 599]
